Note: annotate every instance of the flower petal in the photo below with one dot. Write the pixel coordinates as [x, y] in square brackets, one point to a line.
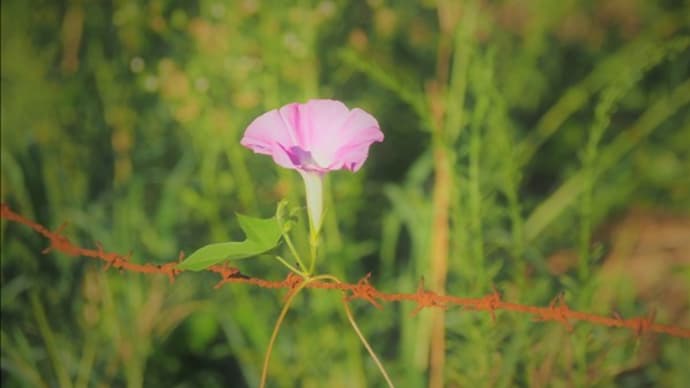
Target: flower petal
[269, 134]
[357, 134]
[333, 127]
[319, 135]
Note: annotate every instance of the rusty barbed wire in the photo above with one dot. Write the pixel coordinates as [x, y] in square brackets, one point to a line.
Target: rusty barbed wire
[557, 311]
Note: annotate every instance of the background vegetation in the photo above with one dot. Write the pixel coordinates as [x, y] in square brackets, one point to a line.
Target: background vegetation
[548, 141]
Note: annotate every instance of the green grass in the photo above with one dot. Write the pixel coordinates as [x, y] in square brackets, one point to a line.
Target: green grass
[551, 119]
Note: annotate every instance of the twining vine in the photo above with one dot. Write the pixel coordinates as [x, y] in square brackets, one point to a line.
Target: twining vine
[557, 311]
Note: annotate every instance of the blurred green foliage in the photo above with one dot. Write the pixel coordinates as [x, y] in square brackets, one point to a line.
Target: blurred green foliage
[123, 118]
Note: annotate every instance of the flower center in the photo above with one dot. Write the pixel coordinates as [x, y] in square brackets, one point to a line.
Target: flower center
[302, 159]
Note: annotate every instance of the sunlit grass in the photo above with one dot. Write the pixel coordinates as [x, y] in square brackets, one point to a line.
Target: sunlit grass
[547, 120]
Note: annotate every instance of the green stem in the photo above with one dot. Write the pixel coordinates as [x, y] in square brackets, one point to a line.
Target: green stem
[291, 268]
[313, 184]
[293, 250]
[313, 245]
[291, 246]
[279, 322]
[378, 363]
[364, 341]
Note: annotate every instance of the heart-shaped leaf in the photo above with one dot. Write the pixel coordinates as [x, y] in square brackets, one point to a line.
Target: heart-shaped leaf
[263, 234]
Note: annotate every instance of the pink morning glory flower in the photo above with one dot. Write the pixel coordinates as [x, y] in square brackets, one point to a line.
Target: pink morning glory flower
[314, 138]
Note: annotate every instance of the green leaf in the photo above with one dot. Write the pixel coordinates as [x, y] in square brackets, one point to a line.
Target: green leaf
[262, 235]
